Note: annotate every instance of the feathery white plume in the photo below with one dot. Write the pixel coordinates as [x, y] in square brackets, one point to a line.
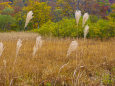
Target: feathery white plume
[1, 48]
[77, 16]
[85, 18]
[86, 30]
[19, 44]
[37, 45]
[4, 61]
[28, 18]
[72, 47]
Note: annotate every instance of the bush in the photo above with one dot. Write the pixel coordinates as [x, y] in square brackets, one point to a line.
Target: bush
[64, 28]
[5, 22]
[68, 28]
[94, 19]
[50, 28]
[102, 29]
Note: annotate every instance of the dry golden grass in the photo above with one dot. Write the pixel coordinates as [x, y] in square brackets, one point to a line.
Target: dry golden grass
[95, 63]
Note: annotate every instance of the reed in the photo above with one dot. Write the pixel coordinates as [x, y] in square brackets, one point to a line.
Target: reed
[28, 18]
[86, 30]
[77, 16]
[1, 48]
[37, 45]
[72, 47]
[19, 44]
[4, 61]
[85, 18]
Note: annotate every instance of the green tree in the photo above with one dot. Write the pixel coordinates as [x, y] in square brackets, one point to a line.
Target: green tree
[112, 14]
[20, 21]
[7, 11]
[5, 22]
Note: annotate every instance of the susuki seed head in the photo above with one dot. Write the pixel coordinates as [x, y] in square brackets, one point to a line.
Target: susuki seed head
[4, 61]
[1, 48]
[85, 18]
[19, 44]
[73, 46]
[34, 50]
[77, 16]
[86, 30]
[37, 45]
[28, 18]
[38, 41]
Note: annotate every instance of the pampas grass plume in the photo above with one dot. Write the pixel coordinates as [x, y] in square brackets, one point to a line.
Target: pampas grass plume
[86, 30]
[4, 61]
[73, 46]
[1, 48]
[77, 16]
[37, 45]
[19, 44]
[85, 18]
[28, 18]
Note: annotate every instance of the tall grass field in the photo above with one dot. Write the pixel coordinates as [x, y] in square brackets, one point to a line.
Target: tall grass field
[91, 64]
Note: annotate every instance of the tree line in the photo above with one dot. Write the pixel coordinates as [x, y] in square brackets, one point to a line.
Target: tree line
[13, 12]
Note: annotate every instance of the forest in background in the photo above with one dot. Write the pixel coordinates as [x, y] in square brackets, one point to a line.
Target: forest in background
[57, 17]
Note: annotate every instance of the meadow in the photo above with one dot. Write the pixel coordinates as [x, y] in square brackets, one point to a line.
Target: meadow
[92, 64]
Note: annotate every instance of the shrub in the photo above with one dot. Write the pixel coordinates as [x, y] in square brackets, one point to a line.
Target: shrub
[64, 28]
[5, 22]
[102, 29]
[94, 19]
[68, 28]
[50, 28]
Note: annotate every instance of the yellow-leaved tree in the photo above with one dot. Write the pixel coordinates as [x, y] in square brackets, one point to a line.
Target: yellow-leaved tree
[112, 14]
[5, 5]
[41, 12]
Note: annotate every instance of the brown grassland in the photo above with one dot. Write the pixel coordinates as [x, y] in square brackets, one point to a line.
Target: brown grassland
[93, 63]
